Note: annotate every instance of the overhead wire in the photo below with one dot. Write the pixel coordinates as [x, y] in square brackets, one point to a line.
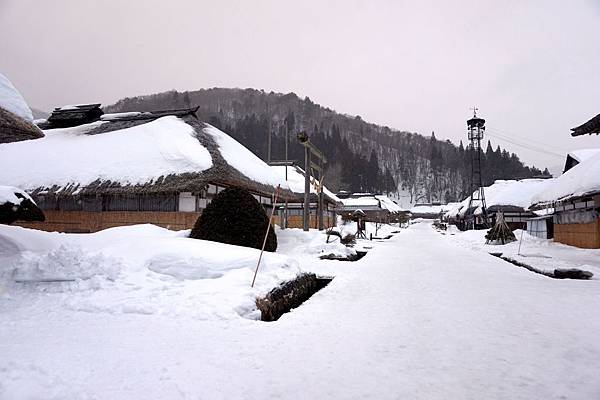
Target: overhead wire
[496, 134]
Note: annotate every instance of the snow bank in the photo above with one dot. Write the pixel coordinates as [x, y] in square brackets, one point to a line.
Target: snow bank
[130, 156]
[242, 159]
[11, 100]
[543, 254]
[140, 269]
[582, 179]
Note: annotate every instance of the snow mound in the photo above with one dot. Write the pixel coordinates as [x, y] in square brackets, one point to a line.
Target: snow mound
[62, 264]
[141, 269]
[11, 100]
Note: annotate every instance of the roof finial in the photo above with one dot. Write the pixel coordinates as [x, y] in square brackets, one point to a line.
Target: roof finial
[475, 109]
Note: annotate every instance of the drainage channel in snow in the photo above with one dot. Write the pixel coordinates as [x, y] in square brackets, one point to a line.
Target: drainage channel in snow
[290, 295]
[559, 273]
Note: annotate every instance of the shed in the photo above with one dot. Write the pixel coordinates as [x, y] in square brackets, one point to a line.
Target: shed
[541, 227]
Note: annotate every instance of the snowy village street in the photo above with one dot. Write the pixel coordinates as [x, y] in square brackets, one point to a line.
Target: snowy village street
[418, 317]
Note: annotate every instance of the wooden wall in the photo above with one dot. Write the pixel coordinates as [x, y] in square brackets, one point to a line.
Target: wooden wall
[89, 221]
[297, 221]
[585, 236]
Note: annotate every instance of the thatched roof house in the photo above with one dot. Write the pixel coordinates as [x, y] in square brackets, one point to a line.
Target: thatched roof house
[589, 128]
[15, 116]
[151, 167]
[511, 197]
[575, 199]
[16, 205]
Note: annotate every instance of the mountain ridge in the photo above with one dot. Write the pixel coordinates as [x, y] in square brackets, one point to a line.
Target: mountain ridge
[363, 156]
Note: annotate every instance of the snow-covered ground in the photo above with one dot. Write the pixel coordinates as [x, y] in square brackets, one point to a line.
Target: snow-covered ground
[542, 254]
[420, 316]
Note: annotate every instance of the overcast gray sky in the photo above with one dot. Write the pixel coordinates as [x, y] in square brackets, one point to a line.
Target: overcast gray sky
[532, 67]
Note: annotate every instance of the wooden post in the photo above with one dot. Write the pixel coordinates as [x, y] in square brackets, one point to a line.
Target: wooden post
[306, 215]
[266, 233]
[320, 196]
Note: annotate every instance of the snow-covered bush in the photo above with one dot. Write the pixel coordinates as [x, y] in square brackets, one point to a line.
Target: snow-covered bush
[15, 205]
[235, 217]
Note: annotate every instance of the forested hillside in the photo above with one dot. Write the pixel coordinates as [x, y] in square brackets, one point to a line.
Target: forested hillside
[361, 156]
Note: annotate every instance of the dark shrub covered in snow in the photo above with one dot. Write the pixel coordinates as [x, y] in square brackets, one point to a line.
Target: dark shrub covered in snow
[26, 211]
[235, 217]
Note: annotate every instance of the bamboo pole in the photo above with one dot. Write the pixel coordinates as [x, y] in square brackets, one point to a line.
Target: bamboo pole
[266, 233]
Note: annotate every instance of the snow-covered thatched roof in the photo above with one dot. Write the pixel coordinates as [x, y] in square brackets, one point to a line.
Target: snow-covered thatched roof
[295, 181]
[15, 115]
[11, 100]
[371, 202]
[589, 128]
[581, 180]
[134, 154]
[506, 194]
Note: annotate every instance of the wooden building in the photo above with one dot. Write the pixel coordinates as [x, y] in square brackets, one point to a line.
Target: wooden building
[161, 168]
[574, 198]
[291, 215]
[510, 197]
[376, 207]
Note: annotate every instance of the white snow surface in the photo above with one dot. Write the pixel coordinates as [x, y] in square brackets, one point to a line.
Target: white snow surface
[11, 100]
[139, 269]
[365, 201]
[7, 195]
[129, 156]
[295, 180]
[242, 159]
[543, 254]
[582, 179]
[422, 316]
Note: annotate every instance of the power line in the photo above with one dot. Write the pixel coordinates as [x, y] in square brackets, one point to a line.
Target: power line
[522, 139]
[525, 145]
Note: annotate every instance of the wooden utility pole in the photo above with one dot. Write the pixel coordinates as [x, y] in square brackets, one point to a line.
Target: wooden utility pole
[306, 213]
[309, 166]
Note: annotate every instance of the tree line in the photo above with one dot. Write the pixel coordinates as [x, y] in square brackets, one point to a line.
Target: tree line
[361, 156]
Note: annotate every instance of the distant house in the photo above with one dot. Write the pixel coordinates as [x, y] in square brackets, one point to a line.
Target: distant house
[292, 217]
[575, 198]
[511, 197]
[428, 210]
[376, 207]
[122, 169]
